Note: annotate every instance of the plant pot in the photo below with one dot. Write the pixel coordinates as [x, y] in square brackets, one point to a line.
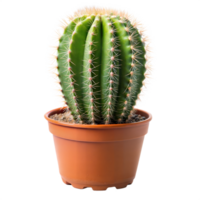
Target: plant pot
[98, 156]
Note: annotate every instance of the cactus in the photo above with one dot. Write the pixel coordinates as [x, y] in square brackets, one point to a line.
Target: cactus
[101, 66]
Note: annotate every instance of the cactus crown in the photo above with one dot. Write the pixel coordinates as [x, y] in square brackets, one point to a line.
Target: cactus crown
[101, 66]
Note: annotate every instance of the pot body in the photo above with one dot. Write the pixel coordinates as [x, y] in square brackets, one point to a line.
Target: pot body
[98, 156]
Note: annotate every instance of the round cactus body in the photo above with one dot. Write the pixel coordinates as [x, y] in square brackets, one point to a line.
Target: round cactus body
[101, 65]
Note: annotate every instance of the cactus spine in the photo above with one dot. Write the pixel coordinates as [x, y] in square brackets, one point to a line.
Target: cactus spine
[101, 65]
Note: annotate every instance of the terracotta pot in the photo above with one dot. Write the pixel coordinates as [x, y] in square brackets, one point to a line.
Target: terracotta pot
[98, 156]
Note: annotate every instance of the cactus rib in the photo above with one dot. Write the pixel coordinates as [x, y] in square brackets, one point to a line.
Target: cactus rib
[132, 69]
[109, 69]
[91, 77]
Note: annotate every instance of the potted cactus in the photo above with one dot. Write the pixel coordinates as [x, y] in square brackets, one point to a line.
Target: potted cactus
[101, 66]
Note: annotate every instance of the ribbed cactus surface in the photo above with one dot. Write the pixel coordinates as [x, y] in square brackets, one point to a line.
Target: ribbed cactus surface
[101, 65]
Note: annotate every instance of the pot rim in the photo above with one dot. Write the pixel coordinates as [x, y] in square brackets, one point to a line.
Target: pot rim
[100, 126]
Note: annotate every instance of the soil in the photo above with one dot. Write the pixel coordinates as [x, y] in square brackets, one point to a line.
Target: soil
[66, 117]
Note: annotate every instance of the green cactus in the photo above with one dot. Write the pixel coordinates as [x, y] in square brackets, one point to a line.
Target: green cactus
[101, 66]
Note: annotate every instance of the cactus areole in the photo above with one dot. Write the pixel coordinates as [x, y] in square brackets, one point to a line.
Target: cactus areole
[101, 66]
